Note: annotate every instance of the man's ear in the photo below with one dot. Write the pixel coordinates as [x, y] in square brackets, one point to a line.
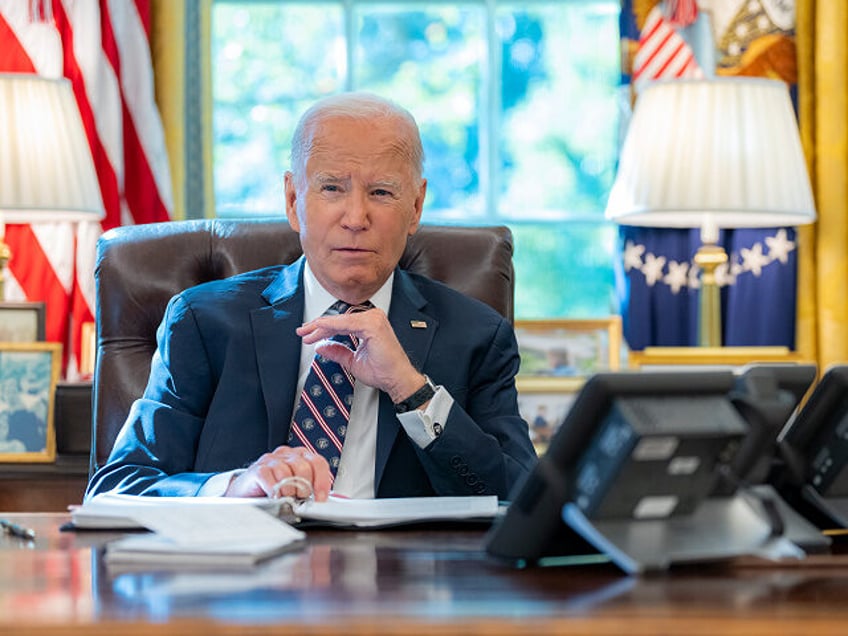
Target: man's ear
[291, 201]
[415, 221]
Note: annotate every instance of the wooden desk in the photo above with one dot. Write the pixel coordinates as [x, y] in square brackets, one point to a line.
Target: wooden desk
[44, 487]
[401, 582]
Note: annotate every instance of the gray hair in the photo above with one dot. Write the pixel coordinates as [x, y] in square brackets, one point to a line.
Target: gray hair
[356, 105]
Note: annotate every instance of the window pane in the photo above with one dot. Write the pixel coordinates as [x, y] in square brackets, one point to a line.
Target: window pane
[270, 61]
[564, 269]
[431, 60]
[558, 108]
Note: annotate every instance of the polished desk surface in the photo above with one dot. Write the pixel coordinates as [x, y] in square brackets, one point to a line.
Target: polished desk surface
[410, 581]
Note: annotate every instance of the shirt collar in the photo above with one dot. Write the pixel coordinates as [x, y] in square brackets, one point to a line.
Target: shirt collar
[318, 300]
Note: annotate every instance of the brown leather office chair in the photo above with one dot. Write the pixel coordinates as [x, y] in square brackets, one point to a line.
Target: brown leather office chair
[139, 268]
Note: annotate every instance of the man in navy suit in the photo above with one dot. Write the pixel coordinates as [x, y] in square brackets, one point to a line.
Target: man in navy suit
[434, 409]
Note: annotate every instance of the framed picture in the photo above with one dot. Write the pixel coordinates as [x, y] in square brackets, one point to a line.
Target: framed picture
[22, 322]
[28, 376]
[556, 358]
[568, 348]
[544, 409]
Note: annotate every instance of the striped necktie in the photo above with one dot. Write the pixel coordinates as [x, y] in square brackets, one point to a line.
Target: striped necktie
[323, 411]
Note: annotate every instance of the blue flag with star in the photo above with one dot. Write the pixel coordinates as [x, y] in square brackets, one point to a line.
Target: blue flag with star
[659, 284]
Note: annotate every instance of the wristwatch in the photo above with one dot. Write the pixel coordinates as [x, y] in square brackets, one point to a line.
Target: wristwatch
[421, 396]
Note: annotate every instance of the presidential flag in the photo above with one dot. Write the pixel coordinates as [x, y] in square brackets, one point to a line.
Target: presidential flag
[660, 286]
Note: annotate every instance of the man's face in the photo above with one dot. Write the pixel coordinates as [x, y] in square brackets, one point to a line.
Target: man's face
[359, 203]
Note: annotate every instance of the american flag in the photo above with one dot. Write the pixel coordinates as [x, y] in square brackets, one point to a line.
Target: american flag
[102, 47]
[662, 52]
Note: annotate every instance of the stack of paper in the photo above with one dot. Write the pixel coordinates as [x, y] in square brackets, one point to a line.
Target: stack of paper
[203, 534]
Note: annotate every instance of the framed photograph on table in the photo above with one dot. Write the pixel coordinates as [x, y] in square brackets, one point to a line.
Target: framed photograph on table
[22, 322]
[543, 403]
[556, 358]
[568, 348]
[28, 376]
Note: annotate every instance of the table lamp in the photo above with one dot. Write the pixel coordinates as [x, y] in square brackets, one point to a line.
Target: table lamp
[710, 154]
[46, 169]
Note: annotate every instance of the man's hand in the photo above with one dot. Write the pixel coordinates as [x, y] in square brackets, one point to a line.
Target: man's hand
[266, 472]
[379, 360]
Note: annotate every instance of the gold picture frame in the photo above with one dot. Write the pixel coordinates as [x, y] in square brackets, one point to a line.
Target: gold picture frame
[669, 357]
[29, 373]
[568, 348]
[546, 389]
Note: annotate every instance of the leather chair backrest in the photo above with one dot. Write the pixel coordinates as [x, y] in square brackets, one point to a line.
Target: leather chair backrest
[139, 268]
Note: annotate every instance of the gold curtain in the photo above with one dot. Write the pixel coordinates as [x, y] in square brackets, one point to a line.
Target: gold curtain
[168, 48]
[167, 26]
[823, 248]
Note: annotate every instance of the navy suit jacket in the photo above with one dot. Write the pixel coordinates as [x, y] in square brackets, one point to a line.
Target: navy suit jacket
[223, 382]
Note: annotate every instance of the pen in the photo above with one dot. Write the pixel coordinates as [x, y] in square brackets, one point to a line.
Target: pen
[17, 530]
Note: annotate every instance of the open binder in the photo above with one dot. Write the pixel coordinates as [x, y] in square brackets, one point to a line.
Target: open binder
[115, 511]
[219, 531]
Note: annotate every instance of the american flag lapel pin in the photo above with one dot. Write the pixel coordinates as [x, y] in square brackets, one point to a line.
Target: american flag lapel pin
[417, 324]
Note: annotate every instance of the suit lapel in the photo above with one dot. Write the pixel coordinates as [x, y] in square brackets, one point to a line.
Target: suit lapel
[415, 330]
[277, 348]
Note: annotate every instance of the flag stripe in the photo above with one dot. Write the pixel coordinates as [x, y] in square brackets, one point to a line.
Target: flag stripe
[142, 196]
[144, 138]
[142, 8]
[662, 52]
[37, 278]
[13, 57]
[56, 241]
[653, 46]
[673, 56]
[102, 87]
[97, 115]
[106, 176]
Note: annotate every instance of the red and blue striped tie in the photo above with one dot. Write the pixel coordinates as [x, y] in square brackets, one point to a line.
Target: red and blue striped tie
[323, 411]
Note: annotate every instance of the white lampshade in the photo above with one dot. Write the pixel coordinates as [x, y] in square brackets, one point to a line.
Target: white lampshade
[712, 153]
[46, 169]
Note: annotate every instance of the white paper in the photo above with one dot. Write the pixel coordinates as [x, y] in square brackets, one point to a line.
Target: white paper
[363, 512]
[205, 533]
[211, 526]
[126, 511]
[114, 511]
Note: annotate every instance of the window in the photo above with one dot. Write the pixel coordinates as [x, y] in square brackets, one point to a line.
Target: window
[517, 105]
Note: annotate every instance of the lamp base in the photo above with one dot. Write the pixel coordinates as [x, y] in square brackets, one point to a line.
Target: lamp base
[708, 257]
